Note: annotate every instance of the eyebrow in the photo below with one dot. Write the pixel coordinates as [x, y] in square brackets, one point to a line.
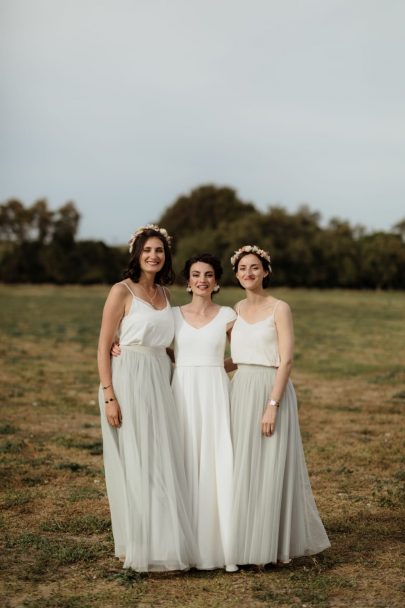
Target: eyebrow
[202, 272]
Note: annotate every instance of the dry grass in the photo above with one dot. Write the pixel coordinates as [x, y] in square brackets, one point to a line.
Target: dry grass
[55, 522]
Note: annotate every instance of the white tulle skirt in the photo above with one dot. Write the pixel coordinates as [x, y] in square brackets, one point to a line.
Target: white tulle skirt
[202, 399]
[144, 468]
[274, 513]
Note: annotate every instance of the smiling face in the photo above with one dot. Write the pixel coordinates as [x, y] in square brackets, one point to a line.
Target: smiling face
[152, 256]
[202, 279]
[250, 272]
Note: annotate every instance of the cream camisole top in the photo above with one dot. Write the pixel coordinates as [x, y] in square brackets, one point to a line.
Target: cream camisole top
[255, 343]
[146, 325]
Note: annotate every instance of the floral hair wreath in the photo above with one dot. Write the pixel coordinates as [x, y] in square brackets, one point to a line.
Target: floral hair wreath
[251, 249]
[142, 229]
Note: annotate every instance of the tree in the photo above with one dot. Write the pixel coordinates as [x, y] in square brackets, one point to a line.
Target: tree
[15, 220]
[399, 228]
[65, 225]
[382, 261]
[205, 207]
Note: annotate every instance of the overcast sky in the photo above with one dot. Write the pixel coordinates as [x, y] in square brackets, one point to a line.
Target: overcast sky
[122, 105]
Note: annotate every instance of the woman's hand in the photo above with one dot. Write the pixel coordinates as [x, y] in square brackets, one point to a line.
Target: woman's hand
[229, 365]
[113, 413]
[269, 420]
[115, 349]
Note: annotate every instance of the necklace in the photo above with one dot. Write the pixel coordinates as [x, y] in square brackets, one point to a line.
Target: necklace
[150, 299]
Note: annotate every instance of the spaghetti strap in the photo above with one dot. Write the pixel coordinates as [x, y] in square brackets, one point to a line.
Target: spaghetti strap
[275, 307]
[128, 287]
[237, 307]
[164, 292]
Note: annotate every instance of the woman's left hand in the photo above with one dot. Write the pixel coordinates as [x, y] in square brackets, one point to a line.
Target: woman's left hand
[269, 421]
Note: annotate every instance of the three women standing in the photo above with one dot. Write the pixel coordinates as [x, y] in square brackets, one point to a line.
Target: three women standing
[265, 512]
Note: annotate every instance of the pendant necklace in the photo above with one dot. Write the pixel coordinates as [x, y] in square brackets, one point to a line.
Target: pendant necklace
[150, 299]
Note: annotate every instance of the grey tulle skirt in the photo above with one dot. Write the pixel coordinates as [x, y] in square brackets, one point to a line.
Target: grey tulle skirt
[144, 467]
[274, 512]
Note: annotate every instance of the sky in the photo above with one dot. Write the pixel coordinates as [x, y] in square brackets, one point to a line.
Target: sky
[123, 105]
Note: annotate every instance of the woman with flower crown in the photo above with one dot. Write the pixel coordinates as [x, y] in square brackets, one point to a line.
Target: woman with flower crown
[274, 513]
[143, 461]
[201, 392]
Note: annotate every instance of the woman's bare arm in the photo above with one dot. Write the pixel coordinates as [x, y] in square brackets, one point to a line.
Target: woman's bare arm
[285, 333]
[114, 310]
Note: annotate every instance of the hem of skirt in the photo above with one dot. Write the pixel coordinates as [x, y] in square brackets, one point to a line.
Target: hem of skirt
[283, 558]
[209, 567]
[158, 567]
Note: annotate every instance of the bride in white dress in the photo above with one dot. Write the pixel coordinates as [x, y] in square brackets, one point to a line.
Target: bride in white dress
[143, 459]
[201, 391]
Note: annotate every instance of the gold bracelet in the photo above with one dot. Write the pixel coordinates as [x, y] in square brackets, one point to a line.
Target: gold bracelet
[274, 402]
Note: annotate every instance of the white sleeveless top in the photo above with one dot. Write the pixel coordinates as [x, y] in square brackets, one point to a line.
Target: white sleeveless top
[203, 346]
[146, 325]
[255, 343]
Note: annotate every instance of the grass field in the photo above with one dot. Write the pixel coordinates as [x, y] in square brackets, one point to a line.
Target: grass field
[58, 551]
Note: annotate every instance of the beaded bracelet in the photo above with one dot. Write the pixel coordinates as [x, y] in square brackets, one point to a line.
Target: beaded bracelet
[112, 399]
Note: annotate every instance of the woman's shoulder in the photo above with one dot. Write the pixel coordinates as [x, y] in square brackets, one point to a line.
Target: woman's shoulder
[281, 309]
[278, 303]
[237, 305]
[228, 312]
[166, 291]
[120, 289]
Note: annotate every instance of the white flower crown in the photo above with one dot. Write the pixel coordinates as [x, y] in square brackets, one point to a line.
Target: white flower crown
[142, 229]
[251, 249]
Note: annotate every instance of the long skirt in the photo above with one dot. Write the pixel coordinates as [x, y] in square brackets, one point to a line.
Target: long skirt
[144, 468]
[202, 398]
[274, 512]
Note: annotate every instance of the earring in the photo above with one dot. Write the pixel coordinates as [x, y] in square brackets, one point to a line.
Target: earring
[188, 289]
[216, 289]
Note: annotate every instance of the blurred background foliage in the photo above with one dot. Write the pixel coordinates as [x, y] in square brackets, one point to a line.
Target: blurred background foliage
[40, 245]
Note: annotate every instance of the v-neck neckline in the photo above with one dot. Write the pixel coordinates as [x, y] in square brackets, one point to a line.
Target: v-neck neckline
[202, 326]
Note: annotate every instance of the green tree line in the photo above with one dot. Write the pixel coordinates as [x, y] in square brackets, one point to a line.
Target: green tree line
[40, 245]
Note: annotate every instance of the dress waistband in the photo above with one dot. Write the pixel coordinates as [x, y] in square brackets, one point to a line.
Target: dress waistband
[255, 366]
[198, 361]
[200, 364]
[142, 348]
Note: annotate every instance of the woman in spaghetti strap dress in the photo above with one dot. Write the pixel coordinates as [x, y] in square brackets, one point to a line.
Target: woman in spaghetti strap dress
[274, 512]
[201, 391]
[143, 461]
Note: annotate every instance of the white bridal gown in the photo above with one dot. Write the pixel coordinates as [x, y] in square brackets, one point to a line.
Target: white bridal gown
[201, 391]
[143, 459]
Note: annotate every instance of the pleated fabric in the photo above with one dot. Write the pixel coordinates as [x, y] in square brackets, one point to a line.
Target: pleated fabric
[202, 399]
[274, 514]
[201, 392]
[144, 469]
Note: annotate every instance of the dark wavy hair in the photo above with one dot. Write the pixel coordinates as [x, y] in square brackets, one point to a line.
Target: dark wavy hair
[206, 258]
[133, 272]
[264, 263]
